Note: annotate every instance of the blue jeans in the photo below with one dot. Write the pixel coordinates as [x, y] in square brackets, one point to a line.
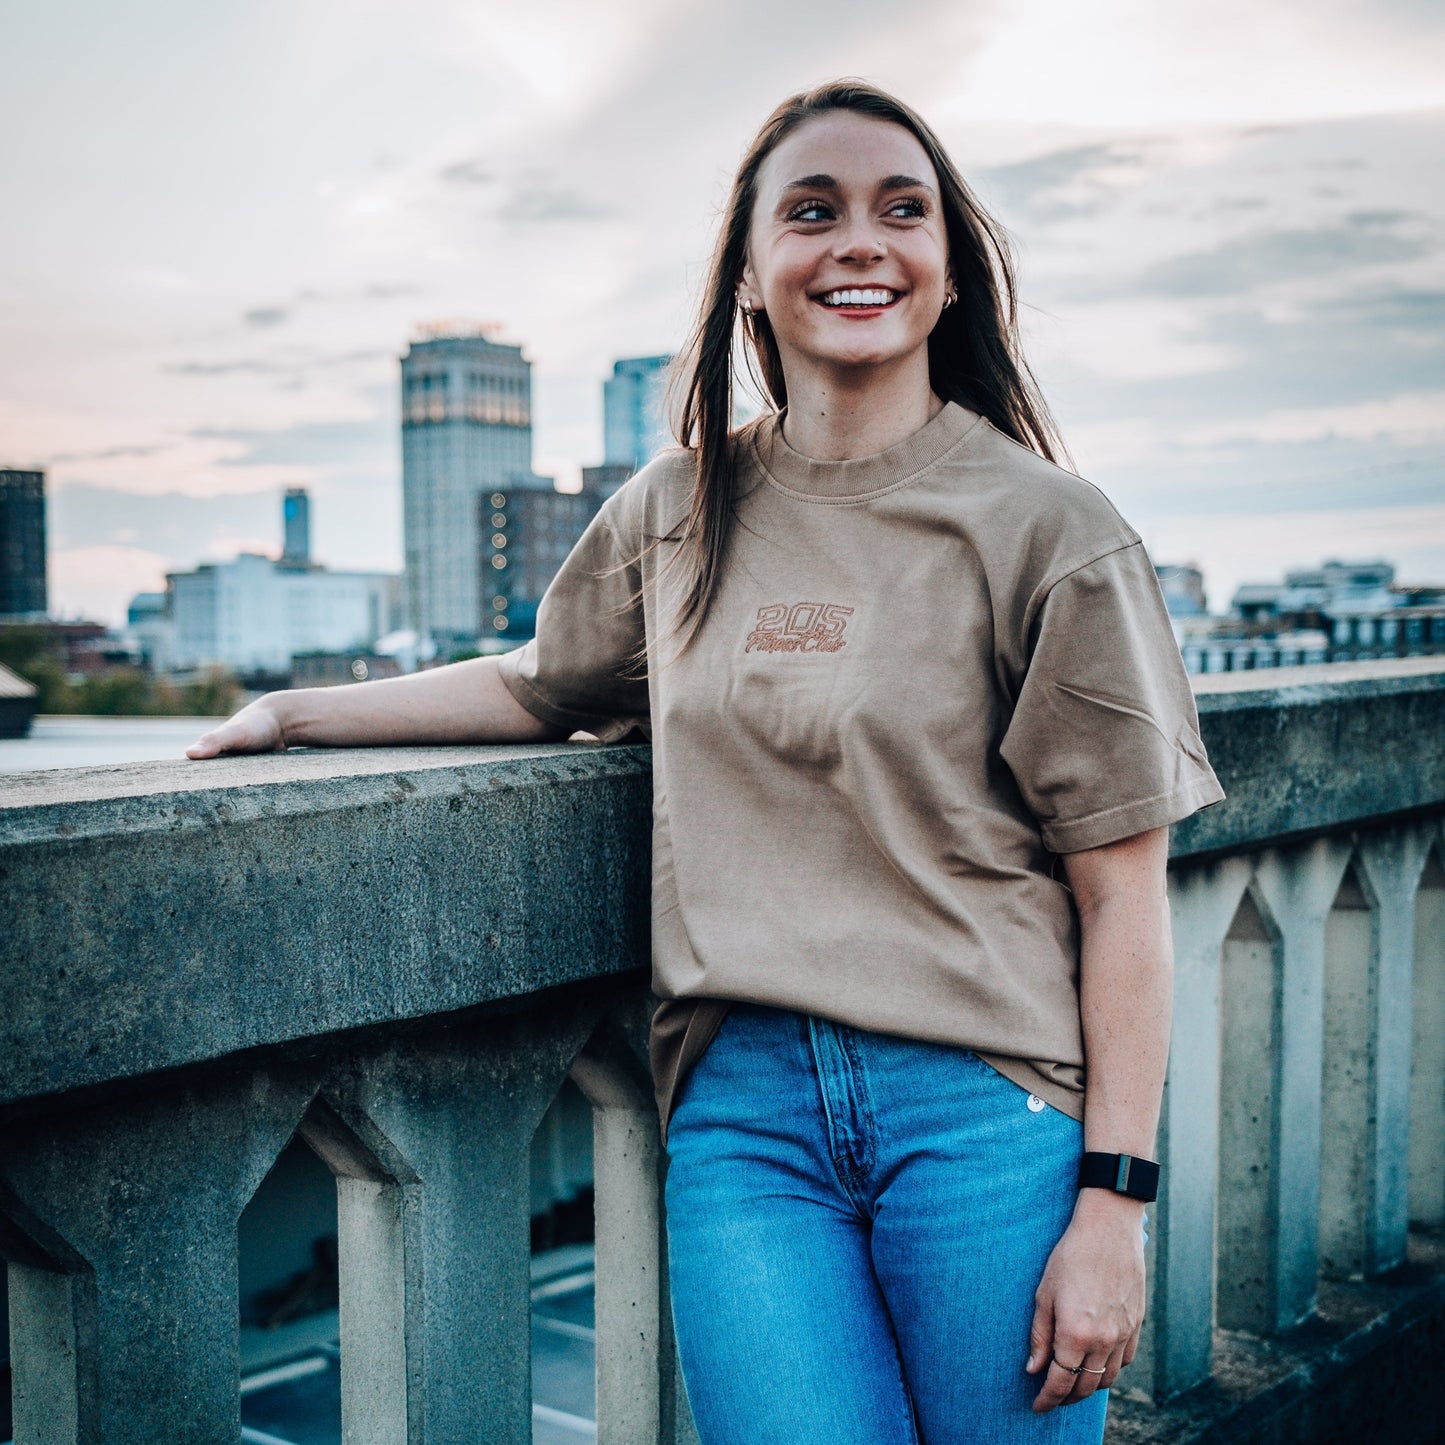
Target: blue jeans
[856, 1226]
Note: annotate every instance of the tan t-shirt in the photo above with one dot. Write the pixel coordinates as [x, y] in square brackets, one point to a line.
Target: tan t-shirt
[925, 674]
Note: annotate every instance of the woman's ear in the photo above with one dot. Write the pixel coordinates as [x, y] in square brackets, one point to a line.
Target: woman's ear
[750, 302]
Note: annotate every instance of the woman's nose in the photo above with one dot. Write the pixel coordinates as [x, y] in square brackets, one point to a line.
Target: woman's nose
[858, 240]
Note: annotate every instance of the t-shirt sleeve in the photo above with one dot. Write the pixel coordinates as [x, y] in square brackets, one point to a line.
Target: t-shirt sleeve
[1104, 739]
[585, 668]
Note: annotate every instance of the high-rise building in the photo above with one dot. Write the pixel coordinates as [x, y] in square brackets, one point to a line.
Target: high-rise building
[466, 432]
[526, 533]
[607, 478]
[22, 544]
[296, 520]
[633, 426]
[255, 613]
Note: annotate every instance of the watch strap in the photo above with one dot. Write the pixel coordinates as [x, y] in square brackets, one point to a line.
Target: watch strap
[1123, 1173]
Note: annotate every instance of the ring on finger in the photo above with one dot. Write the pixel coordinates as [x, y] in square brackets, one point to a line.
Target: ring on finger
[1080, 1368]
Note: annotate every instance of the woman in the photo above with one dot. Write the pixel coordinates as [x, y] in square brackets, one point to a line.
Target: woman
[919, 726]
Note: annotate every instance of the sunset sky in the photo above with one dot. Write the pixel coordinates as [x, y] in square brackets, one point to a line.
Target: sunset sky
[223, 223]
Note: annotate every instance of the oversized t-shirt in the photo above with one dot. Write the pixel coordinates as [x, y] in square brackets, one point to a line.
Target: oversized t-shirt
[924, 674]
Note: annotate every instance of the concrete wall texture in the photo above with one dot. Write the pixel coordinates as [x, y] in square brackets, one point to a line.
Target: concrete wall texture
[403, 953]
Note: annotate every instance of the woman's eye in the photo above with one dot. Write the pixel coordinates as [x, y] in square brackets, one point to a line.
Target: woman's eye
[910, 208]
[810, 211]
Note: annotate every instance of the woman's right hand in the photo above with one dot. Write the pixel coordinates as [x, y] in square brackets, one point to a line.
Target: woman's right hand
[257, 728]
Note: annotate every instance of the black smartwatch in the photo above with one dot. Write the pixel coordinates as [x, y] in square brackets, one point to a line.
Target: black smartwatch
[1123, 1173]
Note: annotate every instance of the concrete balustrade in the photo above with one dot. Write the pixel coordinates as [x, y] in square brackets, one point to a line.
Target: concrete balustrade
[402, 955]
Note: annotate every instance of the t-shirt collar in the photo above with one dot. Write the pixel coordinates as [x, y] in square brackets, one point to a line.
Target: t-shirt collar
[863, 475]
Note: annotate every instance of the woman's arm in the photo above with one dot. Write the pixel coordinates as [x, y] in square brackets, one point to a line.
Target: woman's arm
[1090, 1303]
[464, 702]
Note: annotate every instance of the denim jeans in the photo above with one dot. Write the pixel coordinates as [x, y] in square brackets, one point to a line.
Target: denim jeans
[856, 1227]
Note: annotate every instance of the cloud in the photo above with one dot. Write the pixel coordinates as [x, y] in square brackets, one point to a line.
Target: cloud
[1360, 239]
[472, 172]
[293, 363]
[275, 315]
[102, 454]
[170, 525]
[1077, 181]
[369, 444]
[533, 202]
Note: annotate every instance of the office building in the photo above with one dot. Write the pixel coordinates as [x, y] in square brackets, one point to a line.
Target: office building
[255, 613]
[527, 532]
[22, 544]
[296, 522]
[633, 422]
[1340, 612]
[466, 432]
[1183, 589]
[607, 478]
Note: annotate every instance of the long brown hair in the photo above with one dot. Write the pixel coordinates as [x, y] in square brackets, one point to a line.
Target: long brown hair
[974, 356]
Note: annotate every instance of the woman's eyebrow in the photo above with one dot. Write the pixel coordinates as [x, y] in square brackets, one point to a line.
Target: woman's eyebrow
[905, 183]
[822, 182]
[811, 183]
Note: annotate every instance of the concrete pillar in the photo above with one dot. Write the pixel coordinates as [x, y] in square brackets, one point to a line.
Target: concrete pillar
[1298, 884]
[1246, 1240]
[1427, 1069]
[1348, 1120]
[1391, 861]
[640, 1399]
[372, 1184]
[1175, 1348]
[433, 1146]
[134, 1340]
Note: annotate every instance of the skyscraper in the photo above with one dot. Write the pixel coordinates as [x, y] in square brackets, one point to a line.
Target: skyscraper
[526, 534]
[296, 520]
[466, 431]
[634, 429]
[22, 544]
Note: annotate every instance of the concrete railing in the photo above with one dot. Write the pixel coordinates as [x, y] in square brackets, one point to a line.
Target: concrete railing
[403, 954]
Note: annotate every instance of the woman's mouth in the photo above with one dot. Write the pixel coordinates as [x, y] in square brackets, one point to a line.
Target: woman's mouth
[869, 298]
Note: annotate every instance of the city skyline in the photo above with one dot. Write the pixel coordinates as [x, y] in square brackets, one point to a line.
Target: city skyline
[1231, 228]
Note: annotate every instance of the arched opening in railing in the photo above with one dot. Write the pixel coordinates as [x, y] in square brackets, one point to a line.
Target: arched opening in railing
[287, 1273]
[46, 1284]
[1348, 1112]
[1427, 1068]
[563, 1273]
[1246, 1236]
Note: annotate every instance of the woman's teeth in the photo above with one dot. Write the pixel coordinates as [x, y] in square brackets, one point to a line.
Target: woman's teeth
[876, 296]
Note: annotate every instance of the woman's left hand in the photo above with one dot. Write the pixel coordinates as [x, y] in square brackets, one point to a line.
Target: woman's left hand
[1090, 1303]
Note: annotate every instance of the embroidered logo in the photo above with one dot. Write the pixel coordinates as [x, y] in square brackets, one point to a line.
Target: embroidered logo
[799, 627]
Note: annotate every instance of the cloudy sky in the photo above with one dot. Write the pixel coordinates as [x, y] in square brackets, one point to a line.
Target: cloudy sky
[224, 221]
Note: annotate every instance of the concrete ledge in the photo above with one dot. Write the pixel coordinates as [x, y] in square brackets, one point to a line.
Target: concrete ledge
[1313, 749]
[168, 914]
[1362, 1371]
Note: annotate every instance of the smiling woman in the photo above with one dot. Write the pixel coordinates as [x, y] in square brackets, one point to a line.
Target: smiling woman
[794, 225]
[919, 725]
